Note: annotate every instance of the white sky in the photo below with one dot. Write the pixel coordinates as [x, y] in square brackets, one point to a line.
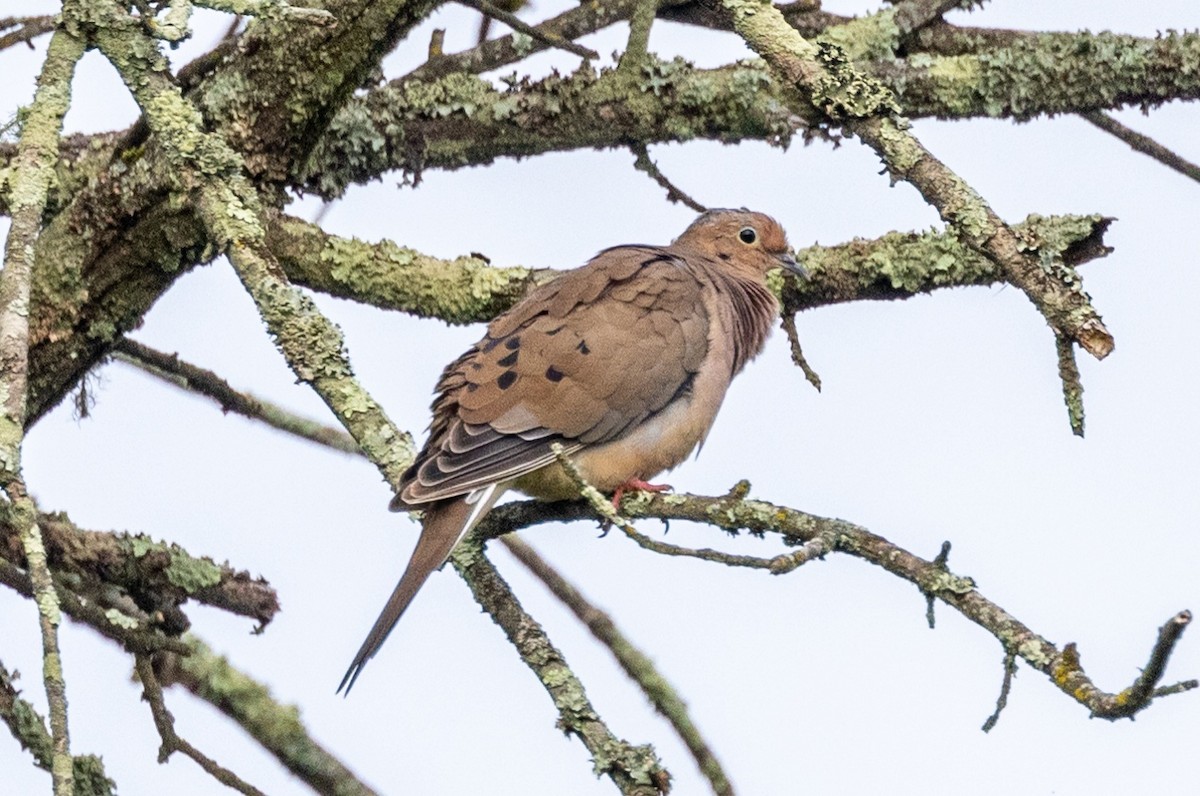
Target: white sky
[941, 418]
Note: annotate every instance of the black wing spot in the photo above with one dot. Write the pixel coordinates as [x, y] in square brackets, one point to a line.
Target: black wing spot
[513, 343]
[507, 379]
[554, 374]
[509, 360]
[472, 387]
[491, 343]
[583, 347]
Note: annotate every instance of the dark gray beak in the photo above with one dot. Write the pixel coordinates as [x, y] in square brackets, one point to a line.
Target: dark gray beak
[789, 264]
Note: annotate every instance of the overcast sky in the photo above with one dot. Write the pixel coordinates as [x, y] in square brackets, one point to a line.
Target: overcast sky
[941, 418]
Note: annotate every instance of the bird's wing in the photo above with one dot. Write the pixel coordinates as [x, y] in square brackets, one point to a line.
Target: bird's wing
[581, 361]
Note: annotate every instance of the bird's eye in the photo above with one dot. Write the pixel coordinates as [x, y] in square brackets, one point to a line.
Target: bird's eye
[747, 235]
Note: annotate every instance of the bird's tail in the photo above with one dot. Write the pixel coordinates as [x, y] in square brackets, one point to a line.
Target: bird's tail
[444, 524]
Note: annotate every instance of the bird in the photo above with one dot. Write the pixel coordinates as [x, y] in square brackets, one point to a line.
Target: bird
[622, 362]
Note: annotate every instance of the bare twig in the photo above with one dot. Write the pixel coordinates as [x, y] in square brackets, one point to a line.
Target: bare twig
[1144, 144]
[637, 664]
[170, 368]
[27, 29]
[515, 22]
[941, 561]
[793, 336]
[495, 53]
[643, 162]
[1010, 671]
[171, 742]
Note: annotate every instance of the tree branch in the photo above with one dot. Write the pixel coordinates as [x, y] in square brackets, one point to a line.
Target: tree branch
[1144, 144]
[277, 727]
[170, 368]
[172, 742]
[154, 576]
[637, 664]
[799, 528]
[36, 152]
[29, 730]
[635, 770]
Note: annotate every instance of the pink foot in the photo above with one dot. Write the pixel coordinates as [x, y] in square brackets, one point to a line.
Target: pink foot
[639, 485]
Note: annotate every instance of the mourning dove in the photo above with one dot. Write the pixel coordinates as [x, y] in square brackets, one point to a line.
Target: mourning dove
[623, 362]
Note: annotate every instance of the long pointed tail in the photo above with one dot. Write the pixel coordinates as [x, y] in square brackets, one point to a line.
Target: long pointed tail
[442, 528]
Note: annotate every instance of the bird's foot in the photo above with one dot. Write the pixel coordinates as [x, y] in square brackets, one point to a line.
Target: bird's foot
[636, 484]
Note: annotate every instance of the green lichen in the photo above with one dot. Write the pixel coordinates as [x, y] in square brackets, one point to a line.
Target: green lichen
[1031, 650]
[191, 574]
[872, 37]
[120, 619]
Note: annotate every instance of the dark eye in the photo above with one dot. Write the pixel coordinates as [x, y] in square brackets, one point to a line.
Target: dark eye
[747, 235]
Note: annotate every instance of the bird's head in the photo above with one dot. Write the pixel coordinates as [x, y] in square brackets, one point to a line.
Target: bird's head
[747, 243]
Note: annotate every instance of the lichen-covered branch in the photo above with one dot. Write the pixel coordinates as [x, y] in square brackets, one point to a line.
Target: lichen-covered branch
[229, 208]
[865, 107]
[798, 528]
[635, 770]
[154, 576]
[637, 664]
[124, 623]
[36, 152]
[277, 727]
[898, 265]
[1047, 73]
[29, 730]
[118, 241]
[463, 290]
[461, 120]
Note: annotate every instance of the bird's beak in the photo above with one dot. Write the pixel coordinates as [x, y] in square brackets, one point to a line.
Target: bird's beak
[789, 264]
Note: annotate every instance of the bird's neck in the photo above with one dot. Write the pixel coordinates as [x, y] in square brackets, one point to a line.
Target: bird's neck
[752, 309]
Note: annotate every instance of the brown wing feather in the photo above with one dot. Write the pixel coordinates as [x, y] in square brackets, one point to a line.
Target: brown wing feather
[579, 361]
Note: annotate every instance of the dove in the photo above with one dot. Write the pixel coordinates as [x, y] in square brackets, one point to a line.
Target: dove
[623, 362]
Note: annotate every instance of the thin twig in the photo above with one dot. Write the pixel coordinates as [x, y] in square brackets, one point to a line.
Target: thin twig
[643, 162]
[793, 336]
[1143, 143]
[170, 368]
[27, 29]
[514, 22]
[1010, 671]
[637, 664]
[171, 742]
[1143, 690]
[941, 561]
[1072, 382]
